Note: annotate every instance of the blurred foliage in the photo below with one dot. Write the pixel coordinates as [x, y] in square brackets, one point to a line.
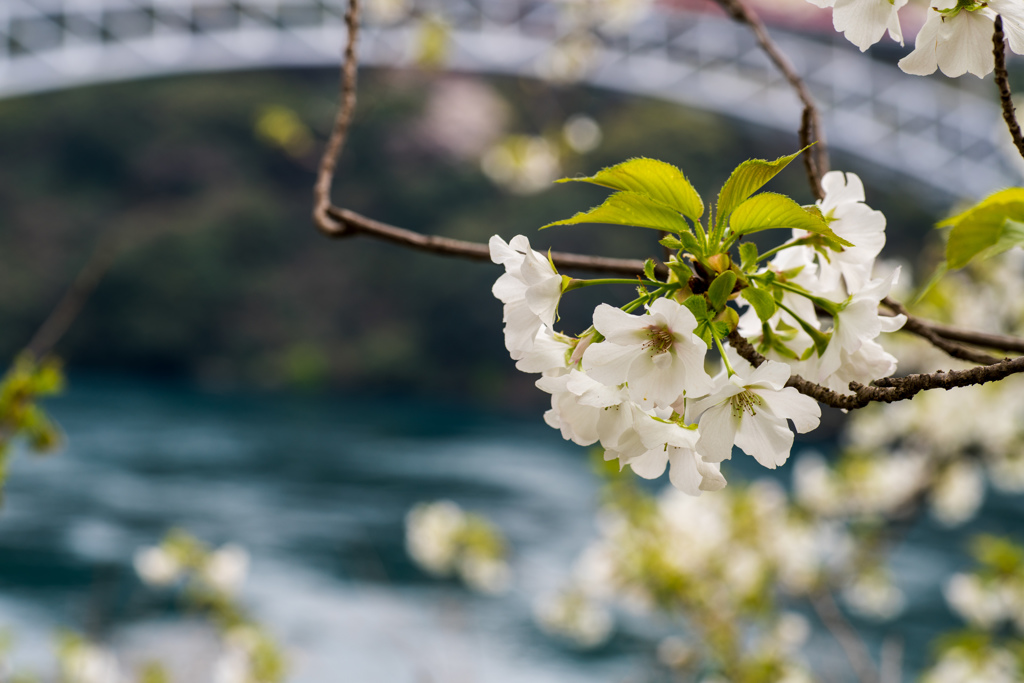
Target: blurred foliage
[239, 288]
[21, 417]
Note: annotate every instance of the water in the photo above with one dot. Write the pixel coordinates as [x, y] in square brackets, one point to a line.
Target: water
[317, 489]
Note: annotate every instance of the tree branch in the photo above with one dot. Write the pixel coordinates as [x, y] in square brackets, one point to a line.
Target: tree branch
[1003, 81]
[342, 122]
[924, 329]
[887, 389]
[816, 160]
[356, 224]
[70, 305]
[1001, 342]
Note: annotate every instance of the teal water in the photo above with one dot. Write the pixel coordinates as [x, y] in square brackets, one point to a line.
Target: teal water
[317, 488]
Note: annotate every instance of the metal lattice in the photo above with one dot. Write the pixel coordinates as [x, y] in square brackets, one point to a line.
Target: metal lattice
[929, 129]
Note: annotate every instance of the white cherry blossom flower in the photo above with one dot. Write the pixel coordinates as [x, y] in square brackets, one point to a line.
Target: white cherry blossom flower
[548, 355]
[855, 222]
[585, 410]
[1012, 12]
[530, 290]
[750, 409]
[955, 42]
[654, 444]
[657, 354]
[958, 493]
[858, 321]
[978, 604]
[863, 22]
[874, 596]
[869, 362]
[156, 567]
[227, 567]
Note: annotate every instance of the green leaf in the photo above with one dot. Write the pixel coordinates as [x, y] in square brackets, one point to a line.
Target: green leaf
[722, 329]
[691, 244]
[748, 255]
[630, 208]
[680, 270]
[748, 178]
[720, 289]
[763, 303]
[649, 266]
[670, 242]
[1007, 196]
[698, 305]
[661, 181]
[940, 272]
[984, 228]
[769, 210]
[820, 339]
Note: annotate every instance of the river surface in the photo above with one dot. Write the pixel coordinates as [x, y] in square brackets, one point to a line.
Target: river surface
[317, 489]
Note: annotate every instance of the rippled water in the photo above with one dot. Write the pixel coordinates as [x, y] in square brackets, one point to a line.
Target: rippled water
[317, 489]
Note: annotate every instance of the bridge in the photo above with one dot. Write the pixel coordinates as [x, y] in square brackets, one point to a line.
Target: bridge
[934, 130]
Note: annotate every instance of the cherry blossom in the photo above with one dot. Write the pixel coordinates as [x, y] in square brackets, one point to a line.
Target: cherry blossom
[863, 22]
[657, 353]
[854, 221]
[954, 39]
[530, 290]
[750, 408]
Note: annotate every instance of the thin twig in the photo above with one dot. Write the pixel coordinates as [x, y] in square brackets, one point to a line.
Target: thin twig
[853, 646]
[342, 122]
[74, 299]
[1000, 342]
[811, 130]
[889, 389]
[1003, 81]
[923, 329]
[356, 224]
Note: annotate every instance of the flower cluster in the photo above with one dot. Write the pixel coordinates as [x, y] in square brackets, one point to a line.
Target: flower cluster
[445, 540]
[180, 557]
[986, 599]
[212, 578]
[717, 562]
[637, 382]
[956, 37]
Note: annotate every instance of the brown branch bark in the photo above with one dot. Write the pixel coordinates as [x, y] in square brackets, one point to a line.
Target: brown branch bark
[74, 299]
[816, 161]
[1000, 342]
[356, 224]
[342, 123]
[887, 389]
[1003, 82]
[924, 329]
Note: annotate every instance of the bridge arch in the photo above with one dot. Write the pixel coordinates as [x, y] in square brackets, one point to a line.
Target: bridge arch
[933, 130]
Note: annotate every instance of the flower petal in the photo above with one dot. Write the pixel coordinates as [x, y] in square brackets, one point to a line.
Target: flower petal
[765, 437]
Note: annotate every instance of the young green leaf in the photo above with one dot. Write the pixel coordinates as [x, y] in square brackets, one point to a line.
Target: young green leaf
[763, 302]
[661, 181]
[670, 242]
[769, 210]
[720, 289]
[748, 255]
[698, 305]
[1007, 196]
[981, 229]
[649, 266]
[748, 178]
[630, 208]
